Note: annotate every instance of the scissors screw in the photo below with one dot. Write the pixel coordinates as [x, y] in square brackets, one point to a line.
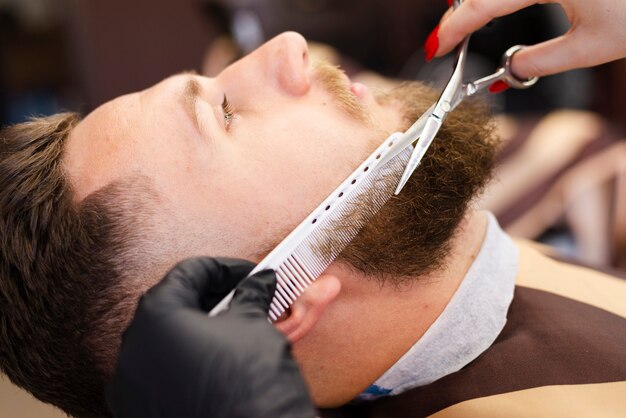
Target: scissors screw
[445, 106]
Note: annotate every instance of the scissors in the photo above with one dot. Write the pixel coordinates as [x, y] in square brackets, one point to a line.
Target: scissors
[428, 125]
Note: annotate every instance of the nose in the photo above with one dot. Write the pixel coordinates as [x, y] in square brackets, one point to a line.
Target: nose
[281, 65]
[293, 63]
[287, 61]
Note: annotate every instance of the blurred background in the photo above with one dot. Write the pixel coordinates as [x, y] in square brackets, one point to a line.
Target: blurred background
[562, 181]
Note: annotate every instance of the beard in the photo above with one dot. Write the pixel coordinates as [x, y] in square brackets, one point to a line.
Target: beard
[412, 234]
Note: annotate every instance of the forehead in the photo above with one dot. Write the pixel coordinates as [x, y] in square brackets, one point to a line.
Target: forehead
[99, 145]
[123, 136]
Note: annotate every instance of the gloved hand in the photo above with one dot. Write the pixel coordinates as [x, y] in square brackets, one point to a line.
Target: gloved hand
[175, 361]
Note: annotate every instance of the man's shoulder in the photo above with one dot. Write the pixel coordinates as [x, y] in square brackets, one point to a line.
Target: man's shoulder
[546, 273]
[591, 400]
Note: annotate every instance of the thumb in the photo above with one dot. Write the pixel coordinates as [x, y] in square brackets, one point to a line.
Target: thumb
[550, 57]
[198, 283]
[254, 294]
[470, 16]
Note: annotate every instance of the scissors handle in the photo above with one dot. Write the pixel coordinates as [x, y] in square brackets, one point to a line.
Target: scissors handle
[504, 73]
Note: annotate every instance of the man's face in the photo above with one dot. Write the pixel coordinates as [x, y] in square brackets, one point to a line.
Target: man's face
[233, 177]
[238, 176]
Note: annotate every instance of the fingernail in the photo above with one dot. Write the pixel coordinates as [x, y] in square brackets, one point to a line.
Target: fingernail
[450, 3]
[432, 44]
[498, 87]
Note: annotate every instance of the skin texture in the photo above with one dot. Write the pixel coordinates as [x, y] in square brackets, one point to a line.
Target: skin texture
[234, 185]
[595, 37]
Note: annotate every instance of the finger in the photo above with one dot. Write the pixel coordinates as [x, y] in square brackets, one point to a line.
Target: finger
[231, 272]
[447, 14]
[199, 283]
[472, 15]
[254, 294]
[550, 57]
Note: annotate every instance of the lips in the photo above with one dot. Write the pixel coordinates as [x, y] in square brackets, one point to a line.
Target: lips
[358, 89]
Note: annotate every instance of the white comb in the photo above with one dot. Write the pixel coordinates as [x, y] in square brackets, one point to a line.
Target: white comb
[314, 244]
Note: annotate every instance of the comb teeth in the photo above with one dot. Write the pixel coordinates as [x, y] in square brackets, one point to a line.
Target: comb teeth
[353, 206]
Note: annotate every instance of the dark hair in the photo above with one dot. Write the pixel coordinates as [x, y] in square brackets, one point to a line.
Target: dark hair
[63, 300]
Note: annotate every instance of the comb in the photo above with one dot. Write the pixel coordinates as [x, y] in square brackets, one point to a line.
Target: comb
[317, 241]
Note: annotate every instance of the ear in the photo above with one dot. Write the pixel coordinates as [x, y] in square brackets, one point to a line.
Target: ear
[308, 308]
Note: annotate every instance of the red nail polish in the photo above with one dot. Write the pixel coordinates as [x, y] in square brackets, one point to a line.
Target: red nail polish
[432, 44]
[498, 87]
[450, 3]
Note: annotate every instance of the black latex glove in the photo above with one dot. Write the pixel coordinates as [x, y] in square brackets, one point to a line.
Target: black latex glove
[175, 361]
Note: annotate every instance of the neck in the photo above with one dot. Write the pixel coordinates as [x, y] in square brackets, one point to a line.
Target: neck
[369, 326]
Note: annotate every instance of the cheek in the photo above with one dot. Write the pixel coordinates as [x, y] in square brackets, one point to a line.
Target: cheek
[267, 179]
[246, 195]
[305, 162]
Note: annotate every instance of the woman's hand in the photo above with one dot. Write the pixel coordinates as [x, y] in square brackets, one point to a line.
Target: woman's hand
[597, 34]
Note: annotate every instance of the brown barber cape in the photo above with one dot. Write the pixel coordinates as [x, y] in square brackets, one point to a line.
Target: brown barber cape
[562, 353]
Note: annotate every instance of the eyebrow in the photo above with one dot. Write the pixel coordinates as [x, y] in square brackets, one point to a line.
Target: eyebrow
[190, 96]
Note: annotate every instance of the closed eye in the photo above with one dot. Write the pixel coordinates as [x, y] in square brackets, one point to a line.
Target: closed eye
[229, 111]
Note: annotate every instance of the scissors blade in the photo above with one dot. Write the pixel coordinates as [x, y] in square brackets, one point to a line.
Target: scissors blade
[409, 136]
[433, 124]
